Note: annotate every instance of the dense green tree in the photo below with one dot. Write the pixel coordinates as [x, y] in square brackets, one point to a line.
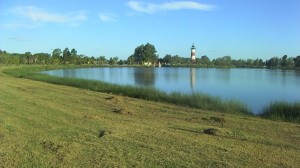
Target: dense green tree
[145, 53]
[290, 63]
[3, 57]
[121, 62]
[56, 56]
[130, 60]
[250, 62]
[167, 59]
[139, 54]
[284, 62]
[29, 58]
[102, 60]
[204, 60]
[150, 53]
[84, 59]
[42, 58]
[287, 63]
[66, 55]
[73, 56]
[297, 61]
[273, 62]
[176, 59]
[261, 63]
[113, 60]
[92, 60]
[223, 62]
[13, 59]
[56, 52]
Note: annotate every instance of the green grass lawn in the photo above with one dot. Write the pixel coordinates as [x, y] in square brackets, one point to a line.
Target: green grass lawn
[47, 125]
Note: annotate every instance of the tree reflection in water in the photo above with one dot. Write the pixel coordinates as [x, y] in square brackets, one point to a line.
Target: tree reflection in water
[144, 76]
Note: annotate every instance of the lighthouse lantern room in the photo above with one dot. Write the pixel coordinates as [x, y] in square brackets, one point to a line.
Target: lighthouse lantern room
[193, 53]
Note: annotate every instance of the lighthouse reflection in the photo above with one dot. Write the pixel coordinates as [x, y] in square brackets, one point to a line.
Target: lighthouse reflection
[193, 77]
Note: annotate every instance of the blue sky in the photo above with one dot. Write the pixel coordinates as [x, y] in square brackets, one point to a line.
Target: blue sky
[239, 28]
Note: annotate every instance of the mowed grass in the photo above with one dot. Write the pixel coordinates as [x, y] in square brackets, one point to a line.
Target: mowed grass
[47, 125]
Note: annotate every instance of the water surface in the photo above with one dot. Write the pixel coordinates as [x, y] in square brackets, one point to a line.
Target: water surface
[254, 87]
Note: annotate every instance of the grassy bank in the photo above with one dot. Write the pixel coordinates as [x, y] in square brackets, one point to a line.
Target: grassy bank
[282, 111]
[46, 125]
[200, 101]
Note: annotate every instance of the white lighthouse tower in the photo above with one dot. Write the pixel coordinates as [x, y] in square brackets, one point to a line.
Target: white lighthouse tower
[193, 53]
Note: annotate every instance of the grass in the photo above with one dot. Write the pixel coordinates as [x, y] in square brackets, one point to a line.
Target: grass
[47, 125]
[196, 100]
[282, 111]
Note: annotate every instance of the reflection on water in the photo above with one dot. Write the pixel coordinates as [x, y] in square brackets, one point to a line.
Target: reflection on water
[224, 74]
[193, 77]
[255, 87]
[144, 76]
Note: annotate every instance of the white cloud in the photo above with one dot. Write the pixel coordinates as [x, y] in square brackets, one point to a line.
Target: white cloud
[19, 39]
[35, 14]
[107, 17]
[179, 5]
[18, 25]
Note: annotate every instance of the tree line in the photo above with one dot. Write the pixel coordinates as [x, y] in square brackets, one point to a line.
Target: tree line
[284, 62]
[144, 55]
[57, 56]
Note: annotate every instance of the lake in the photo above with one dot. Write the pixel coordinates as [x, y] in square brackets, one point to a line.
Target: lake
[254, 87]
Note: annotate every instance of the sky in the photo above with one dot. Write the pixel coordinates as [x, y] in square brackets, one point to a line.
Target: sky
[241, 29]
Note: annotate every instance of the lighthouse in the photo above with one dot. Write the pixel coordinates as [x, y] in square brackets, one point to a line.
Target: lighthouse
[193, 53]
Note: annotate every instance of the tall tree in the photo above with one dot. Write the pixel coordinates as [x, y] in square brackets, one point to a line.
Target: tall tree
[150, 53]
[290, 63]
[73, 56]
[113, 60]
[130, 60]
[56, 56]
[139, 54]
[204, 60]
[167, 59]
[3, 57]
[102, 60]
[297, 61]
[223, 62]
[29, 58]
[145, 53]
[273, 62]
[284, 61]
[66, 55]
[42, 58]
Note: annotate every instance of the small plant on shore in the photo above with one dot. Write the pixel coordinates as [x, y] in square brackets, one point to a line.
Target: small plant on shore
[210, 131]
[217, 120]
[282, 111]
[101, 133]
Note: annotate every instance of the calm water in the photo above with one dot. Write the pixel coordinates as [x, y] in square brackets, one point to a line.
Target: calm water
[255, 87]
